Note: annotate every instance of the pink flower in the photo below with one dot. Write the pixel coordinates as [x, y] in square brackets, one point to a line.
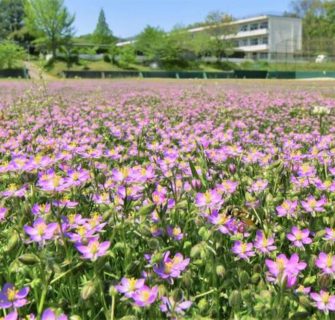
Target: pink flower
[313, 205]
[49, 314]
[324, 301]
[41, 231]
[263, 244]
[243, 250]
[330, 234]
[326, 262]
[299, 237]
[3, 212]
[145, 296]
[10, 297]
[285, 269]
[129, 286]
[259, 186]
[171, 267]
[175, 233]
[94, 249]
[287, 208]
[210, 199]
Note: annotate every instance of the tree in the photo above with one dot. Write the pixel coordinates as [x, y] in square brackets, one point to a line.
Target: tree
[302, 8]
[11, 17]
[127, 56]
[102, 34]
[150, 41]
[10, 54]
[219, 29]
[317, 24]
[50, 22]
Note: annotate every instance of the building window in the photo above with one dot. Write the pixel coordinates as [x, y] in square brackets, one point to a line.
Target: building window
[265, 40]
[263, 55]
[254, 42]
[244, 27]
[264, 25]
[254, 26]
[244, 43]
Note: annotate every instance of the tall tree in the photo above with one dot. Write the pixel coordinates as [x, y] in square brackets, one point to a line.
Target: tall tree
[317, 26]
[11, 17]
[50, 21]
[219, 28]
[102, 33]
[150, 41]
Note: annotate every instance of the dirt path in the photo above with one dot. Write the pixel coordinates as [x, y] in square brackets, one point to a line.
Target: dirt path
[37, 73]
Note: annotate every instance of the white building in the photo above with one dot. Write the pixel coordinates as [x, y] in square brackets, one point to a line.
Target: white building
[266, 37]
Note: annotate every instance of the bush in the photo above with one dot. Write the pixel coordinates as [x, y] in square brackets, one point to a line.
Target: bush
[10, 55]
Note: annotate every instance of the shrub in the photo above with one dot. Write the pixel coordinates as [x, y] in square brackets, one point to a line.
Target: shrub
[10, 55]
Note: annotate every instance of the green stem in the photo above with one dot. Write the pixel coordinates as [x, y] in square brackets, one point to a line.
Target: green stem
[113, 307]
[42, 300]
[204, 294]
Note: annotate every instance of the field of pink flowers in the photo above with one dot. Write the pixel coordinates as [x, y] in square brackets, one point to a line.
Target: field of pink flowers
[167, 200]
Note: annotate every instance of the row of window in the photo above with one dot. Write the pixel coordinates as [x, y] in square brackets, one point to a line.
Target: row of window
[251, 42]
[254, 26]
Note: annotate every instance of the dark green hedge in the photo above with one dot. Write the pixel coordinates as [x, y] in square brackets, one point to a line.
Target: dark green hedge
[14, 73]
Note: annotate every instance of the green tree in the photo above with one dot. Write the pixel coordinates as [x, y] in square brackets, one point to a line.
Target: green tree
[102, 33]
[150, 42]
[11, 17]
[50, 22]
[10, 54]
[317, 24]
[219, 28]
[176, 49]
[127, 56]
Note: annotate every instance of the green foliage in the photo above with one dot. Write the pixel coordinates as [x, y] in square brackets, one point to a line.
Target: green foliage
[10, 55]
[102, 33]
[11, 17]
[150, 41]
[50, 22]
[220, 26]
[318, 24]
[127, 57]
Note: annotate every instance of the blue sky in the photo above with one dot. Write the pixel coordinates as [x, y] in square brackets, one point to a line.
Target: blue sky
[128, 17]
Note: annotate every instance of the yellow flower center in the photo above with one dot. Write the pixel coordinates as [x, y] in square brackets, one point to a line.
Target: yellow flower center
[329, 261]
[208, 197]
[145, 295]
[132, 284]
[298, 235]
[11, 294]
[56, 181]
[176, 231]
[81, 230]
[12, 187]
[94, 247]
[280, 264]
[325, 297]
[41, 228]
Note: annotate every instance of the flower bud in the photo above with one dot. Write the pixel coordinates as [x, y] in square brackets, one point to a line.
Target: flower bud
[204, 233]
[153, 244]
[88, 290]
[196, 250]
[324, 281]
[244, 278]
[220, 270]
[29, 259]
[235, 299]
[12, 243]
[304, 301]
[255, 278]
[202, 305]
